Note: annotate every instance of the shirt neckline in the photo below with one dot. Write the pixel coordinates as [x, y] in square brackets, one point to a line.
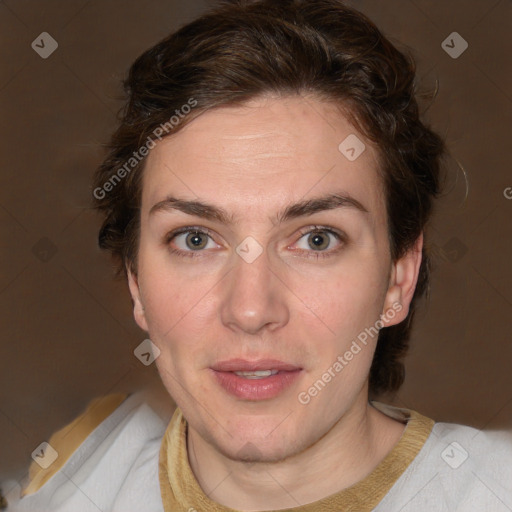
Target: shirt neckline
[181, 492]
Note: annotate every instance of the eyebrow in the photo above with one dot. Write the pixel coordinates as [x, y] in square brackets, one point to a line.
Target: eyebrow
[300, 209]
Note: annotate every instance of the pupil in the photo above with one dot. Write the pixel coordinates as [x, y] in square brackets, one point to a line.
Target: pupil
[195, 240]
[319, 241]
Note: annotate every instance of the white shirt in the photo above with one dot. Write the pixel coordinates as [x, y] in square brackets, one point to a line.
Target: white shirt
[459, 469]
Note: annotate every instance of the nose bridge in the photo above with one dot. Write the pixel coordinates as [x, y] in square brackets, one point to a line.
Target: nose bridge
[253, 298]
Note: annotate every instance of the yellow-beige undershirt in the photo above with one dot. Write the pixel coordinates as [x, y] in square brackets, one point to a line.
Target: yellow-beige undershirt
[182, 493]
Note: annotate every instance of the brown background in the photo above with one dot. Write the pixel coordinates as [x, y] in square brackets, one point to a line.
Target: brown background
[67, 328]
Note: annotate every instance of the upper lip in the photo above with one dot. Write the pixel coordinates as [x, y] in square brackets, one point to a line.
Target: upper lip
[242, 365]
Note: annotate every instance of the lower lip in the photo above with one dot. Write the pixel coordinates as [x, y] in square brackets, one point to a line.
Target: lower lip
[256, 389]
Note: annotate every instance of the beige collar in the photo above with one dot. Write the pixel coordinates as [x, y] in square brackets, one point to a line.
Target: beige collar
[182, 493]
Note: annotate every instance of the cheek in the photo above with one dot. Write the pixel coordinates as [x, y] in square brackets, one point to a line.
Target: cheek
[171, 293]
[170, 305]
[348, 297]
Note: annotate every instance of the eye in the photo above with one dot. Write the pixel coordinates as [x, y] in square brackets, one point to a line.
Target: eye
[320, 240]
[315, 242]
[190, 240]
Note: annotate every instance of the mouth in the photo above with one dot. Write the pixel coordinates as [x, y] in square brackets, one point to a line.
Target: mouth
[261, 374]
[255, 380]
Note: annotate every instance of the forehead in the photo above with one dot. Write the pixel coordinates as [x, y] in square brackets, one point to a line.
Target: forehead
[264, 153]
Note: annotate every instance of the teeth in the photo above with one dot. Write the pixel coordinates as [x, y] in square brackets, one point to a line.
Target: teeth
[259, 374]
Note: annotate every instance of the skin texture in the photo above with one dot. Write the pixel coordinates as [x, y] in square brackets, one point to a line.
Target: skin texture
[288, 304]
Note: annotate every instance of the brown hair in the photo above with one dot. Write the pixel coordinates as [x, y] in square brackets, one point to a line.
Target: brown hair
[245, 49]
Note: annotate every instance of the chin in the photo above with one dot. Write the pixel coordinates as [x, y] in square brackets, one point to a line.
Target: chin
[252, 452]
[268, 442]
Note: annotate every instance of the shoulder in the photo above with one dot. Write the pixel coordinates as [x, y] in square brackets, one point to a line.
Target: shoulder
[479, 452]
[459, 468]
[100, 458]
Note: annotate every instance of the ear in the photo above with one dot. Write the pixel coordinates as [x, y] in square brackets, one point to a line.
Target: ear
[402, 283]
[138, 308]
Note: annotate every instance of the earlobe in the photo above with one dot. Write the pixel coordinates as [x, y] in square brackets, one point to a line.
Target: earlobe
[138, 308]
[402, 283]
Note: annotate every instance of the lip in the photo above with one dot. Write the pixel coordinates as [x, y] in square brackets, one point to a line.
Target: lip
[242, 365]
[264, 388]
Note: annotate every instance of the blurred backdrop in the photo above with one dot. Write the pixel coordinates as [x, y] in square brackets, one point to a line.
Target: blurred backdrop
[67, 329]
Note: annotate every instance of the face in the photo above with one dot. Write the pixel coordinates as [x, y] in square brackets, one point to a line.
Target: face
[263, 248]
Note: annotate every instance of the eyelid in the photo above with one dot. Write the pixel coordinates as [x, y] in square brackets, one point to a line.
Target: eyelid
[187, 229]
[317, 227]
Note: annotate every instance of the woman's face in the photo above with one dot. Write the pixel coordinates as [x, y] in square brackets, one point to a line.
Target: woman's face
[264, 248]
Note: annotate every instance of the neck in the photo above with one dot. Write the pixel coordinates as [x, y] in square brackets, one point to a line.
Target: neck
[342, 457]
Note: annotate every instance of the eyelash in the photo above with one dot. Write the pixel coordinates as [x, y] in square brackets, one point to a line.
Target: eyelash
[340, 237]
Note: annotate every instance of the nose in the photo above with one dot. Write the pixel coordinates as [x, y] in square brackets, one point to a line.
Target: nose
[254, 298]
